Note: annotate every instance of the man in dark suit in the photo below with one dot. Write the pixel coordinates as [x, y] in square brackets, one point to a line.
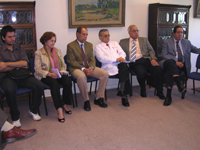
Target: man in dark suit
[82, 64]
[176, 59]
[10, 133]
[143, 60]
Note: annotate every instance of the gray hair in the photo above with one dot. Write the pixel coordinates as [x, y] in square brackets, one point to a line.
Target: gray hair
[129, 28]
[102, 30]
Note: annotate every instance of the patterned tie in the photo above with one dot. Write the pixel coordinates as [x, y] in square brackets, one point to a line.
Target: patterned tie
[84, 57]
[133, 51]
[180, 56]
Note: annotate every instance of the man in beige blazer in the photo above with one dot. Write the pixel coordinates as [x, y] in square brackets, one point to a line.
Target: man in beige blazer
[81, 68]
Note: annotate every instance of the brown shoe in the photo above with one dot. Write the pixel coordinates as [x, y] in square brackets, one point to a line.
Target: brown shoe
[15, 134]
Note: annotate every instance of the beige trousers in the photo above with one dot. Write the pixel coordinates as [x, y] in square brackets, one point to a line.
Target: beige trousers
[98, 73]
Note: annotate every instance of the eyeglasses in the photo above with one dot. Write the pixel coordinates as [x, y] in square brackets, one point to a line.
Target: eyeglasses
[107, 35]
[134, 31]
[179, 32]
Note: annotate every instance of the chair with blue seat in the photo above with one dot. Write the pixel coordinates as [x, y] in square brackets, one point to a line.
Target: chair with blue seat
[20, 91]
[89, 80]
[195, 75]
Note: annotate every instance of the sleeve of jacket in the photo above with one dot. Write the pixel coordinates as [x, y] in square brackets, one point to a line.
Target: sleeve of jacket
[39, 72]
[194, 49]
[151, 50]
[71, 58]
[166, 52]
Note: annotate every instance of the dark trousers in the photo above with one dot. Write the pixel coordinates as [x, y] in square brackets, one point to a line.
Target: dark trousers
[141, 67]
[54, 85]
[10, 88]
[123, 76]
[171, 69]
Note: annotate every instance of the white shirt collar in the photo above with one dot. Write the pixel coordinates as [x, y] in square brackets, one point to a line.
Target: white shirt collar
[80, 43]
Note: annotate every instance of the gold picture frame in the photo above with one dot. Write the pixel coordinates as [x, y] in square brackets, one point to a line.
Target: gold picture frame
[97, 13]
[197, 9]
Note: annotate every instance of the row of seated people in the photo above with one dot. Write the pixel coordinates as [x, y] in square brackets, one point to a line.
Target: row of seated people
[134, 53]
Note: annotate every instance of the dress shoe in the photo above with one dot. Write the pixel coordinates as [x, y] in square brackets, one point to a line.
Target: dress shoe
[125, 102]
[68, 112]
[15, 134]
[143, 93]
[167, 101]
[17, 123]
[61, 120]
[160, 95]
[35, 117]
[87, 105]
[181, 88]
[121, 93]
[100, 102]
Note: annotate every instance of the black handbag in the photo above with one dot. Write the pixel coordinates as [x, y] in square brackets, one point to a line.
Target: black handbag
[19, 73]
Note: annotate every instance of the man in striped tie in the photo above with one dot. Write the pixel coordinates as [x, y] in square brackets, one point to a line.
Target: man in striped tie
[142, 60]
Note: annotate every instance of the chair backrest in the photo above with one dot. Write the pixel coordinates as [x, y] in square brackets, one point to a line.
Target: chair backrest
[98, 63]
[198, 62]
[65, 59]
[32, 61]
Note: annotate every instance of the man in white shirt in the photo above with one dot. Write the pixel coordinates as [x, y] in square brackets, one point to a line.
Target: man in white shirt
[142, 60]
[113, 60]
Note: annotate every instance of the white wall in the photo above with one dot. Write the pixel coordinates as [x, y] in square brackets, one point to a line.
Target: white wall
[52, 15]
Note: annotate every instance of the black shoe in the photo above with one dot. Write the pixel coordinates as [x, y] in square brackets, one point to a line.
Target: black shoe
[121, 93]
[87, 105]
[61, 120]
[181, 88]
[125, 102]
[100, 103]
[160, 95]
[167, 101]
[143, 93]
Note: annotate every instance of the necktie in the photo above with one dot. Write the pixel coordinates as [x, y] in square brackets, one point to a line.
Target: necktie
[84, 57]
[107, 45]
[180, 56]
[133, 51]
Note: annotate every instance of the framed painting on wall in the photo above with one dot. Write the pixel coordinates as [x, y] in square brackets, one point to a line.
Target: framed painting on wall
[96, 13]
[197, 9]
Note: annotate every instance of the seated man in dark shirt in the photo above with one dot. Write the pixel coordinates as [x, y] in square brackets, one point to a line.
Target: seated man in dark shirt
[11, 57]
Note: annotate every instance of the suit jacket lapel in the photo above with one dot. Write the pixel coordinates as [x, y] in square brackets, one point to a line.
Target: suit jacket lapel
[86, 50]
[141, 43]
[173, 46]
[183, 46]
[78, 48]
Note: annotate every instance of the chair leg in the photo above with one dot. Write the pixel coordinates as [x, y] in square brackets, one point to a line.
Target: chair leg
[193, 87]
[90, 88]
[155, 91]
[1, 102]
[75, 95]
[131, 81]
[96, 87]
[105, 95]
[73, 102]
[118, 86]
[183, 95]
[45, 105]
